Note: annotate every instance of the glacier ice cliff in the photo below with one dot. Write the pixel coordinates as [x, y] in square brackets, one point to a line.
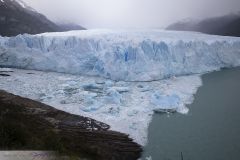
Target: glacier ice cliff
[140, 55]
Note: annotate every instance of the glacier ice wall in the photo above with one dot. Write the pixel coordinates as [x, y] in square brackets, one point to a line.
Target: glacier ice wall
[121, 55]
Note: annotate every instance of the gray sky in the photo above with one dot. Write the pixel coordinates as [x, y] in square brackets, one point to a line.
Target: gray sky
[131, 13]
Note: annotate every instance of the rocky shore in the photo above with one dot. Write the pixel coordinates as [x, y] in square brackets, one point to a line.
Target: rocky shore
[29, 125]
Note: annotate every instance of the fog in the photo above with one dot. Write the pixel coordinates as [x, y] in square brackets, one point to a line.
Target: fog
[131, 13]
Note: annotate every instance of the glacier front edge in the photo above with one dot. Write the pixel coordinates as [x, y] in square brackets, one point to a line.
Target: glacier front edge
[140, 55]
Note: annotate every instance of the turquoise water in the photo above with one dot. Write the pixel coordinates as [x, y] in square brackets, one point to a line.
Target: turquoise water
[211, 130]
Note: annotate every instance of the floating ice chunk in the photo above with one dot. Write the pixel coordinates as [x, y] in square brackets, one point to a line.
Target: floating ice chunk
[148, 158]
[140, 86]
[133, 126]
[109, 83]
[144, 88]
[70, 90]
[93, 87]
[182, 109]
[114, 110]
[98, 81]
[113, 96]
[165, 101]
[90, 103]
[132, 113]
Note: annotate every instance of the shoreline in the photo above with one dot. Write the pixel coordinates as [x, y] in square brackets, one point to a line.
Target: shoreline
[52, 129]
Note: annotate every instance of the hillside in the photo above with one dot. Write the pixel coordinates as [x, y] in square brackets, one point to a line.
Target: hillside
[16, 18]
[228, 25]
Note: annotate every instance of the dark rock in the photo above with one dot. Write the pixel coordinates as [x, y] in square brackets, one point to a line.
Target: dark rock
[27, 124]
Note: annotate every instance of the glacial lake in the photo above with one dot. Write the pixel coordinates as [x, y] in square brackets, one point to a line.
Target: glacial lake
[211, 129]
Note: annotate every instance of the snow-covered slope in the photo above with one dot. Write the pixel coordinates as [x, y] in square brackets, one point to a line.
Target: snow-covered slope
[140, 55]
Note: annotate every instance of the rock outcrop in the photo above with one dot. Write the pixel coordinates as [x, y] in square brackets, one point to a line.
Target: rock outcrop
[29, 125]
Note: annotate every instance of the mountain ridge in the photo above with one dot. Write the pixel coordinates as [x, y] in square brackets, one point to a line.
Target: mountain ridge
[16, 17]
[227, 25]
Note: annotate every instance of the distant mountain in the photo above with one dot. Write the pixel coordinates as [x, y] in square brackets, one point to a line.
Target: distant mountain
[228, 25]
[16, 18]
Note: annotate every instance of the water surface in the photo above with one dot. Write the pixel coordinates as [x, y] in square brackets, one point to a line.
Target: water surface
[211, 130]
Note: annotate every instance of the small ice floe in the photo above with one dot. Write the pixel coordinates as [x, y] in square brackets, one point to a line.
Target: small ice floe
[113, 96]
[87, 94]
[133, 126]
[165, 103]
[90, 104]
[68, 90]
[109, 83]
[93, 88]
[132, 113]
[114, 110]
[99, 81]
[148, 158]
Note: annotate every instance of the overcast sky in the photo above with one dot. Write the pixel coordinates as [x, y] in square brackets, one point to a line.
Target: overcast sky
[131, 13]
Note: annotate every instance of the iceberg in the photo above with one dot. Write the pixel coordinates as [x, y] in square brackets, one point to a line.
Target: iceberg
[165, 101]
[139, 55]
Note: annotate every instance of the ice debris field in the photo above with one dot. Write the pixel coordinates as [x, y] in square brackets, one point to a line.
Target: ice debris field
[117, 77]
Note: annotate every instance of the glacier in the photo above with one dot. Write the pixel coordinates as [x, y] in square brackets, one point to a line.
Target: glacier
[115, 76]
[133, 55]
